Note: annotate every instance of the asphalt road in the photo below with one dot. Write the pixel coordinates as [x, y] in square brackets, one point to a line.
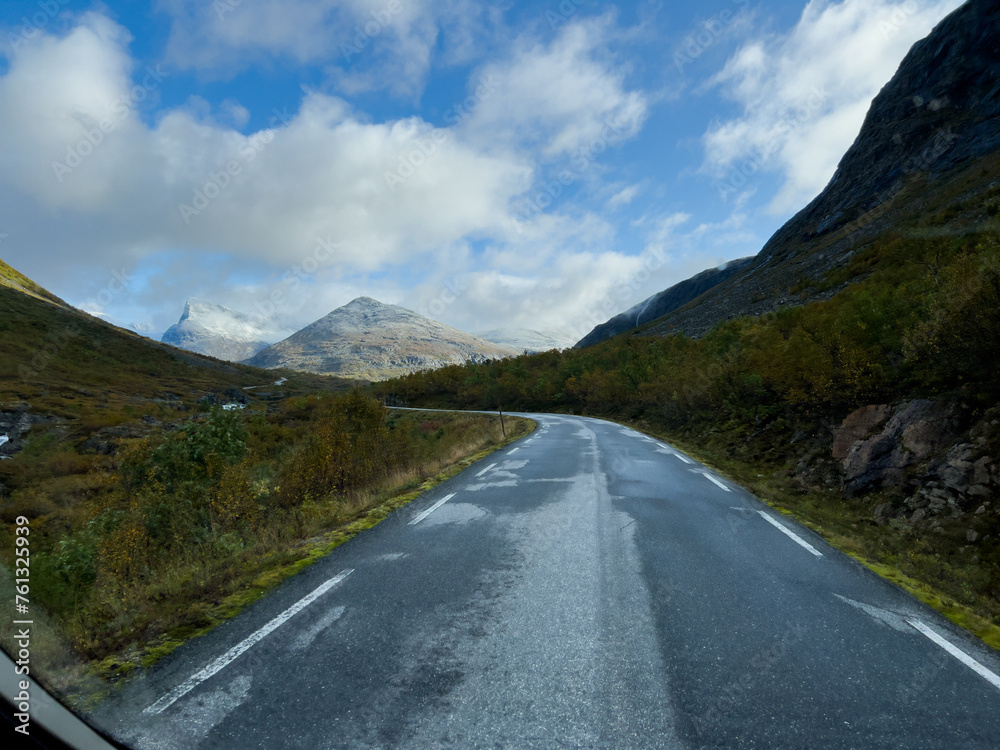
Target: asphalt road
[587, 587]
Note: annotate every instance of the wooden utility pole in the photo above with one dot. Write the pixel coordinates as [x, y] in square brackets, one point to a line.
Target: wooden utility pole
[502, 427]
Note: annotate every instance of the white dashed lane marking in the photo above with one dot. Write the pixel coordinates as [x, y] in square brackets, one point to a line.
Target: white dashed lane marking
[422, 515]
[485, 470]
[789, 533]
[243, 646]
[958, 653]
[713, 480]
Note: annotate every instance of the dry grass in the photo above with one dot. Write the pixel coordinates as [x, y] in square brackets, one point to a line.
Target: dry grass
[121, 624]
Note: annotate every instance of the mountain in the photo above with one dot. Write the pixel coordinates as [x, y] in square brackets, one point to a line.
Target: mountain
[91, 384]
[526, 339]
[930, 142]
[17, 281]
[664, 302]
[216, 331]
[369, 340]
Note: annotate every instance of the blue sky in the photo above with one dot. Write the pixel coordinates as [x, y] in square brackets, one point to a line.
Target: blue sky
[540, 165]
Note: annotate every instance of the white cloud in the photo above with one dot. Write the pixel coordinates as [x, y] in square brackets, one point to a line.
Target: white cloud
[365, 44]
[561, 97]
[535, 282]
[804, 94]
[271, 194]
[624, 196]
[193, 185]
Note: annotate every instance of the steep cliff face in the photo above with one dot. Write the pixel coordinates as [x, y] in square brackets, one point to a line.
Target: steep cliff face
[931, 139]
[216, 331]
[368, 340]
[664, 302]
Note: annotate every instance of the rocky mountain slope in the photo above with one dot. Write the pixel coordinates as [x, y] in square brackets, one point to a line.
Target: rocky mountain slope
[216, 331]
[664, 302]
[931, 139]
[369, 340]
[526, 339]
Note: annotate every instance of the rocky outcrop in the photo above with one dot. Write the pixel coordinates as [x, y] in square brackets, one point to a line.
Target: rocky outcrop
[911, 435]
[217, 331]
[368, 340]
[16, 421]
[857, 426]
[922, 450]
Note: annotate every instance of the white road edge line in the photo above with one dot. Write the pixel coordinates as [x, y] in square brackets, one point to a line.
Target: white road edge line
[714, 481]
[513, 450]
[682, 458]
[791, 534]
[955, 651]
[423, 514]
[485, 470]
[232, 654]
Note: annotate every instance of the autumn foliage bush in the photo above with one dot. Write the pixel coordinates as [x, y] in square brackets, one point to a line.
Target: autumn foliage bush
[179, 520]
[924, 321]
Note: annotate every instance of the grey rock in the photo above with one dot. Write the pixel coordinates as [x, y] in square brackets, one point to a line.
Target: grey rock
[858, 425]
[937, 503]
[981, 471]
[956, 475]
[914, 431]
[884, 512]
[368, 340]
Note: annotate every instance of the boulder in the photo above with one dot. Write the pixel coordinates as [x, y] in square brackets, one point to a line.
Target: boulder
[911, 435]
[858, 425]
